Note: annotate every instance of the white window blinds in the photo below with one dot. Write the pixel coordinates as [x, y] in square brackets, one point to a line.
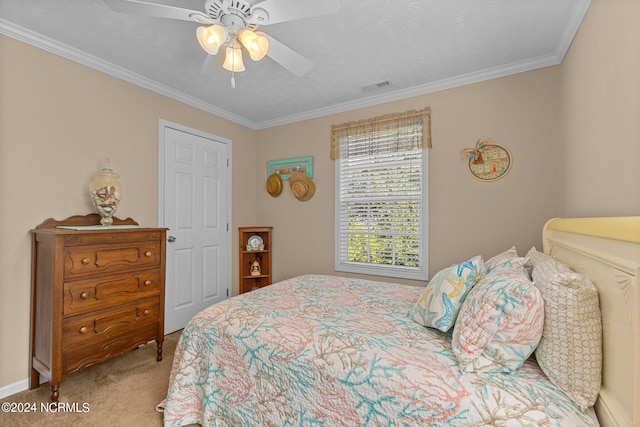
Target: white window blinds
[381, 201]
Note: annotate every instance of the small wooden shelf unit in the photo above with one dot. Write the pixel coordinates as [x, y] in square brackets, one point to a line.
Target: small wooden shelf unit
[247, 281]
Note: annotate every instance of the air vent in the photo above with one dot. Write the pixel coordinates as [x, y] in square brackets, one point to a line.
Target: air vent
[376, 86]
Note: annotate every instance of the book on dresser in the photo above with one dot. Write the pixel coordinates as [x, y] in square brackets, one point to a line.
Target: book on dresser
[97, 292]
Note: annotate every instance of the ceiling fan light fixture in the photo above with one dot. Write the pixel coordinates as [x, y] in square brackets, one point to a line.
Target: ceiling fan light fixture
[259, 15]
[211, 38]
[233, 59]
[256, 43]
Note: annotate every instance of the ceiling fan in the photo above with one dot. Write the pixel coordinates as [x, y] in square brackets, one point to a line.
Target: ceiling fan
[234, 22]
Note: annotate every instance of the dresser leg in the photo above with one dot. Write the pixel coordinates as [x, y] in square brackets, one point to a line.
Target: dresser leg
[55, 392]
[34, 379]
[159, 351]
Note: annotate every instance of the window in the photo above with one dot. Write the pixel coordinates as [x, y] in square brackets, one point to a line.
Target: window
[381, 195]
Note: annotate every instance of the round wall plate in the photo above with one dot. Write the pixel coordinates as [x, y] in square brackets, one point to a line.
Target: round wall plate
[489, 162]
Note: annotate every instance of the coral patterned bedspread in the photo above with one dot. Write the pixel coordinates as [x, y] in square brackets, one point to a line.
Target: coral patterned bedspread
[331, 351]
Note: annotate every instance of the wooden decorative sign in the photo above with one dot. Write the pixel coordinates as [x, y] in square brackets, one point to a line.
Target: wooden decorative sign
[488, 161]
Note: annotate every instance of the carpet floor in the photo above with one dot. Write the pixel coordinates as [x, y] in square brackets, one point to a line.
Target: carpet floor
[123, 391]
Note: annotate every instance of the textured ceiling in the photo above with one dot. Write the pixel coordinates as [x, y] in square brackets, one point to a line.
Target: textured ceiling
[418, 45]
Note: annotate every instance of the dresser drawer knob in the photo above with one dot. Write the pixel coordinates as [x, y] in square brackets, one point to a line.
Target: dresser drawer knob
[147, 254]
[84, 295]
[147, 282]
[84, 330]
[146, 312]
[85, 261]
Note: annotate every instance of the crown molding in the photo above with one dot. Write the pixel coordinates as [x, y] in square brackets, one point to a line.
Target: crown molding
[38, 40]
[50, 45]
[466, 79]
[397, 95]
[572, 29]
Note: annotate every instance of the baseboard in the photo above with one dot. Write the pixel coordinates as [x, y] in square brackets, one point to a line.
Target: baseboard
[19, 386]
[14, 388]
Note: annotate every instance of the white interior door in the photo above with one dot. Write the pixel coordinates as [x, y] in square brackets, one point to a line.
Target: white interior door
[194, 204]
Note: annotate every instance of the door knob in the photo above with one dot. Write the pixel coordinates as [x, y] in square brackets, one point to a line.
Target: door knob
[171, 239]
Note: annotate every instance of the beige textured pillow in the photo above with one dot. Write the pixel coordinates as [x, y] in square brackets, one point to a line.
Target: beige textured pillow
[570, 351]
[533, 258]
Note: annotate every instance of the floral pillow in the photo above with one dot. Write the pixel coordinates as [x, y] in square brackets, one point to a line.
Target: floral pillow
[507, 260]
[499, 324]
[439, 304]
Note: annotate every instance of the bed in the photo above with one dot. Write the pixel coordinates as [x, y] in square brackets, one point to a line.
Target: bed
[335, 351]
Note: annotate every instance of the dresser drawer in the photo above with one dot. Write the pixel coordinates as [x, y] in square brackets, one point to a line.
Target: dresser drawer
[90, 354]
[81, 296]
[112, 237]
[97, 259]
[101, 326]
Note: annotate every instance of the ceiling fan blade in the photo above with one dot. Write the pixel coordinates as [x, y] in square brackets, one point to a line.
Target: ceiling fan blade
[137, 7]
[289, 10]
[288, 58]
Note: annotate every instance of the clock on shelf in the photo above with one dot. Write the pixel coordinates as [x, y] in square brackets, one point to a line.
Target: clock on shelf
[255, 243]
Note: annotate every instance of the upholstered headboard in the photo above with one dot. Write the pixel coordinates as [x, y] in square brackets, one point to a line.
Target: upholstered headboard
[607, 250]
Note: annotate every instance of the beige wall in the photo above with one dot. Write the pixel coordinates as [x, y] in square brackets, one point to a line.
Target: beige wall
[573, 129]
[600, 83]
[467, 217]
[58, 121]
[564, 125]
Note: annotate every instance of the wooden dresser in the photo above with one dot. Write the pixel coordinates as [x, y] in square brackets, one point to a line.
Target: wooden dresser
[96, 293]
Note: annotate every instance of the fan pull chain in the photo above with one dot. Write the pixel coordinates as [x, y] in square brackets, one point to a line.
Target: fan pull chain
[233, 80]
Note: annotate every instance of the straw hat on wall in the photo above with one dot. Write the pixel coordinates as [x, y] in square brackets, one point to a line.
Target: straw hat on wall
[302, 186]
[274, 184]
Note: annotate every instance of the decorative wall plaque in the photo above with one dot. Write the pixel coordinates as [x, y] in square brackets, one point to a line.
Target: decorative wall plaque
[488, 161]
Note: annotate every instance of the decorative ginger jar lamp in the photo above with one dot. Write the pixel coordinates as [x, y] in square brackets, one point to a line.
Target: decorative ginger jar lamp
[105, 189]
